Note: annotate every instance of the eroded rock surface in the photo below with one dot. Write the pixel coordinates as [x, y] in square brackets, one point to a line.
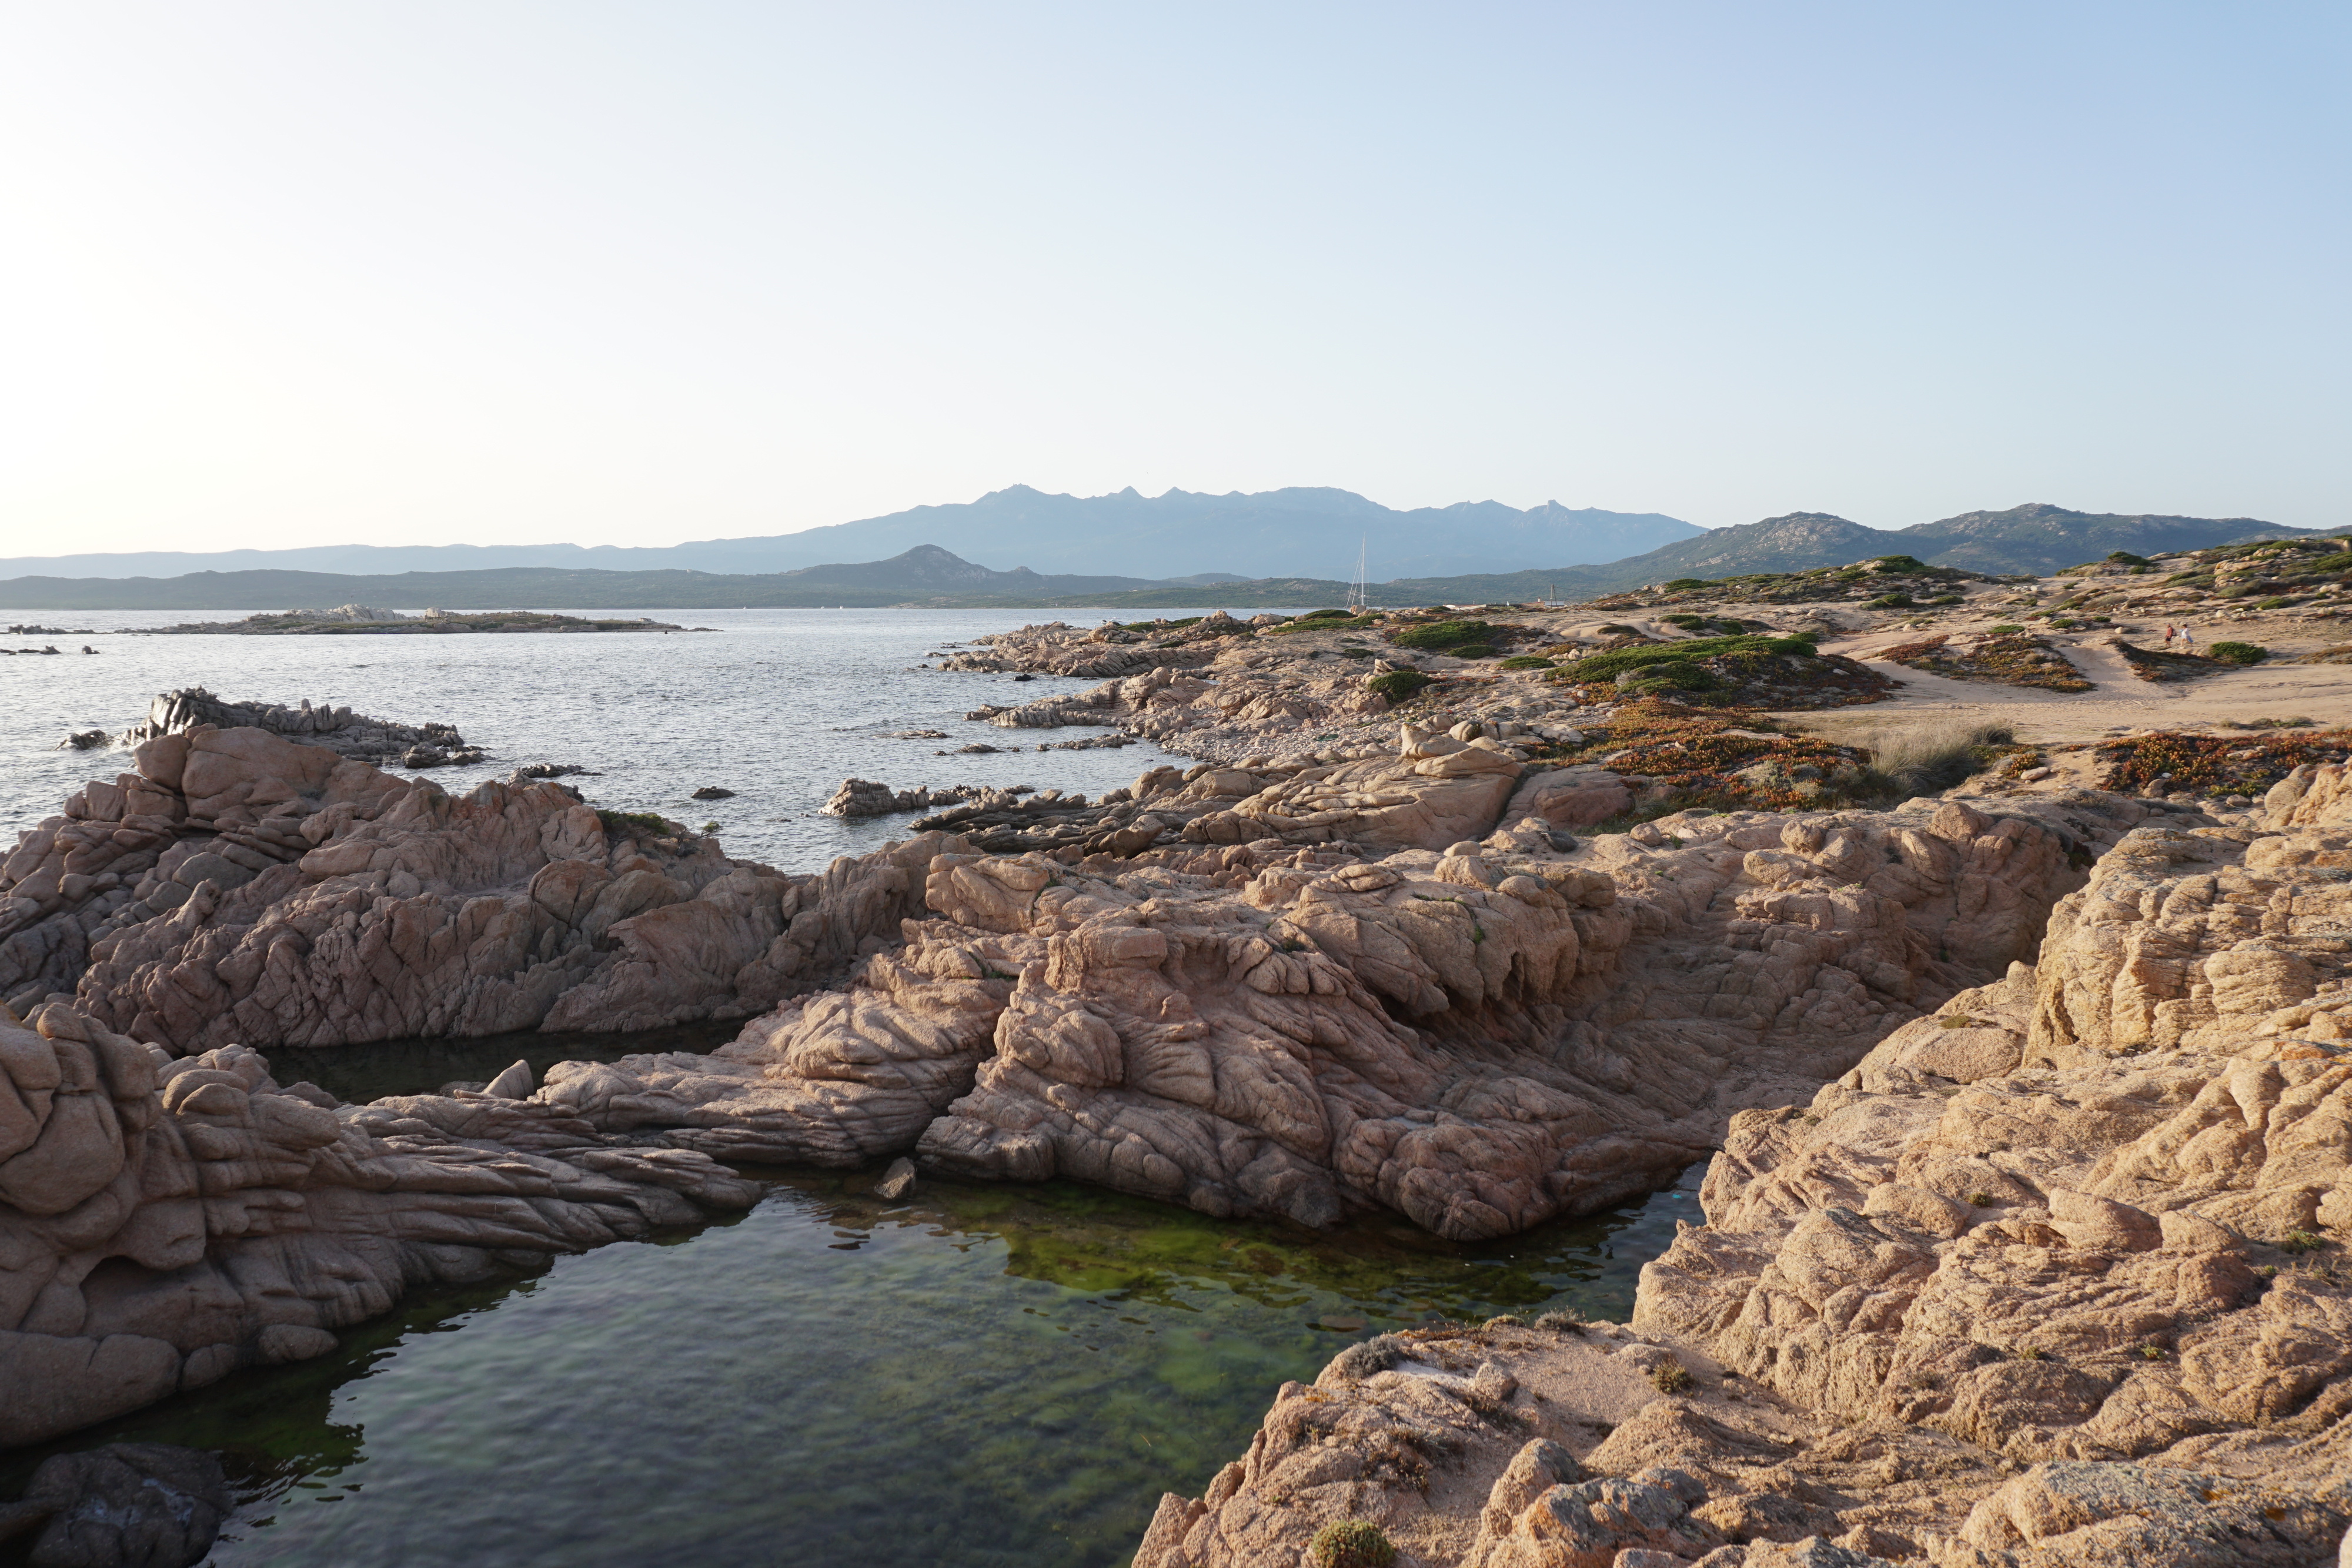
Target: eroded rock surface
[2053, 1277]
[164, 1221]
[1479, 1038]
[241, 888]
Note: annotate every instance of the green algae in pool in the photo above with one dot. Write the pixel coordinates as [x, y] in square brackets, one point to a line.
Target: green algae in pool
[983, 1376]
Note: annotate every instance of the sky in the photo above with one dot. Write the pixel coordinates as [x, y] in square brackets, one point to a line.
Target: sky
[507, 272]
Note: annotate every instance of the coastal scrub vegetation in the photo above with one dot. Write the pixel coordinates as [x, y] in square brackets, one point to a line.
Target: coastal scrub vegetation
[1398, 685]
[2214, 764]
[1445, 634]
[2007, 655]
[2240, 652]
[1351, 1544]
[1929, 759]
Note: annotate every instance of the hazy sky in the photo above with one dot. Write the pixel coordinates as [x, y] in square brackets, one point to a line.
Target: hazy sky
[274, 274]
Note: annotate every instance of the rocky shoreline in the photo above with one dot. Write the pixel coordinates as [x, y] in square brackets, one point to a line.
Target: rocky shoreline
[2052, 1278]
[2028, 1108]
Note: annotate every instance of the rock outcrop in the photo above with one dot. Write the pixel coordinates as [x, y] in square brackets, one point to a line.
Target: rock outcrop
[241, 888]
[866, 798]
[149, 1504]
[2053, 1277]
[1479, 1038]
[165, 1222]
[338, 729]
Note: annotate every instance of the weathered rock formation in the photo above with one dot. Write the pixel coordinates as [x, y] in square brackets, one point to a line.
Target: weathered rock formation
[240, 888]
[2052, 1278]
[338, 729]
[865, 798]
[149, 1504]
[164, 1221]
[1479, 1038]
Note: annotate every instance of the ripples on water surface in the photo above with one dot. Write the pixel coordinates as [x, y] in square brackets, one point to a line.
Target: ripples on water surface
[779, 705]
[986, 1376]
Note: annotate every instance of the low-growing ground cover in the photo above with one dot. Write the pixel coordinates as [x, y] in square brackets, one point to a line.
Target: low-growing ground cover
[1726, 671]
[2156, 665]
[2212, 764]
[2013, 658]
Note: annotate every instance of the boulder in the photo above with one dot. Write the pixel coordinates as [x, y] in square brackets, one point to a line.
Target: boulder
[149, 1504]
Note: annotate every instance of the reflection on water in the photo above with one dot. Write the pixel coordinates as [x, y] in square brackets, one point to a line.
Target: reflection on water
[983, 1375]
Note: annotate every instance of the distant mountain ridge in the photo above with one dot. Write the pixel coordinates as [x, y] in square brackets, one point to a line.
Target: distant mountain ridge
[2036, 537]
[926, 572]
[1314, 531]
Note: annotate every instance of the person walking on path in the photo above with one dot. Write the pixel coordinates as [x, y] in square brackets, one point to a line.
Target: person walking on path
[2168, 634]
[2189, 638]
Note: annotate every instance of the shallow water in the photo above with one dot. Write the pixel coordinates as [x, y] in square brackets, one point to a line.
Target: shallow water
[982, 1376]
[779, 705]
[986, 1376]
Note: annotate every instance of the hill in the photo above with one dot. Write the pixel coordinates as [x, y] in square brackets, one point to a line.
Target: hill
[1180, 534]
[2036, 539]
[2040, 539]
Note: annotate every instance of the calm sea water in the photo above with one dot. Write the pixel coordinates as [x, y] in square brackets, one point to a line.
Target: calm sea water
[779, 705]
[984, 1377]
[979, 1378]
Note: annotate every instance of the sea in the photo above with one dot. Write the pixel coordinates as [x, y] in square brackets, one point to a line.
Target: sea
[981, 1376]
[778, 706]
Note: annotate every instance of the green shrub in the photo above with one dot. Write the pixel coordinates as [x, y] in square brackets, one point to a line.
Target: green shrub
[2238, 653]
[1472, 651]
[2275, 603]
[1681, 583]
[1329, 615]
[2003, 630]
[1609, 667]
[1351, 1544]
[1900, 563]
[1898, 600]
[1671, 676]
[1670, 1376]
[1526, 662]
[2126, 557]
[1442, 634]
[1398, 685]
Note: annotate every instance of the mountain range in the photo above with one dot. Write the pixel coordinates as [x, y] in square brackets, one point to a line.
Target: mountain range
[1183, 535]
[2033, 539]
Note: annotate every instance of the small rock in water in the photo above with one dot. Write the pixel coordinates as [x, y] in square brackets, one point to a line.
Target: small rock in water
[146, 1503]
[515, 1084]
[83, 740]
[713, 792]
[897, 1181]
[536, 770]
